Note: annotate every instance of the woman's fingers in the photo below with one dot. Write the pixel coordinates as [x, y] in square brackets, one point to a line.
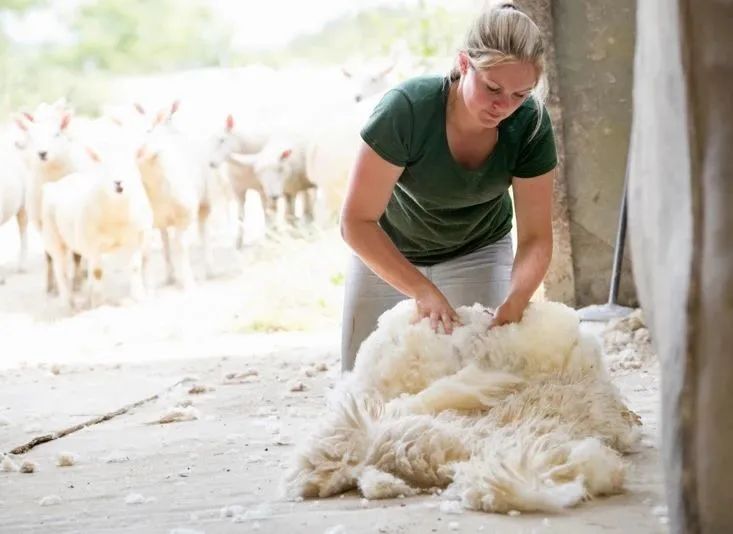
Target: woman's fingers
[434, 318]
[447, 322]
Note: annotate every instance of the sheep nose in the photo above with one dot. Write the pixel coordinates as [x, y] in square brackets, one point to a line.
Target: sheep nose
[357, 98]
[118, 186]
[43, 155]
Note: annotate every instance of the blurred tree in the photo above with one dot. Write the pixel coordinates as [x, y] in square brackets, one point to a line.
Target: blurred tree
[137, 36]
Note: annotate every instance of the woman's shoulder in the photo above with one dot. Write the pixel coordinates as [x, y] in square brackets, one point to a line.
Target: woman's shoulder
[426, 88]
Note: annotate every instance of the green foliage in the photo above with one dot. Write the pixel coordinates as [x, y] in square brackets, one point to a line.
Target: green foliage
[112, 37]
[138, 36]
[20, 5]
[134, 37]
[428, 31]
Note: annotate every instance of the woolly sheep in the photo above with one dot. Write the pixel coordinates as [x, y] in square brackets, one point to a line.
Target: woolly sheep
[101, 211]
[240, 176]
[520, 417]
[280, 168]
[51, 153]
[12, 193]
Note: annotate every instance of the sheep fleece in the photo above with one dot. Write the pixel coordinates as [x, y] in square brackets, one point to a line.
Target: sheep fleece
[519, 417]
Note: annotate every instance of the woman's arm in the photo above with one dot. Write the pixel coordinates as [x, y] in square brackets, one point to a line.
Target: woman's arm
[533, 204]
[371, 184]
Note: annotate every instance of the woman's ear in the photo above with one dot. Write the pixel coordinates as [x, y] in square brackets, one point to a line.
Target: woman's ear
[463, 63]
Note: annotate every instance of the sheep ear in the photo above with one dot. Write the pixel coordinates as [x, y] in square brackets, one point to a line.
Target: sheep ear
[139, 108]
[386, 71]
[174, 106]
[92, 154]
[65, 120]
[346, 72]
[230, 123]
[22, 125]
[286, 153]
[29, 117]
[159, 118]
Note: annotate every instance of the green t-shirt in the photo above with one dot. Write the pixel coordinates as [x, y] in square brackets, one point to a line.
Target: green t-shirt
[439, 210]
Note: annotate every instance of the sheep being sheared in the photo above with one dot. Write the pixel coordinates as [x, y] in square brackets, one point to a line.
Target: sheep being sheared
[519, 417]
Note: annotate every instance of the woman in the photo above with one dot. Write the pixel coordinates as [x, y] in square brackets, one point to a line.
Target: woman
[428, 212]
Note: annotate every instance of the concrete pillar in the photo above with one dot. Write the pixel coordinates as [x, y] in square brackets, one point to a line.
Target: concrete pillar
[559, 284]
[681, 226]
[594, 41]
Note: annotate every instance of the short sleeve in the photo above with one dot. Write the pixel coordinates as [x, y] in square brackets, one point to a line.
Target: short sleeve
[388, 131]
[537, 154]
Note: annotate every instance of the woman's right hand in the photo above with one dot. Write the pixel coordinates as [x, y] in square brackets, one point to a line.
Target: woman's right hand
[433, 304]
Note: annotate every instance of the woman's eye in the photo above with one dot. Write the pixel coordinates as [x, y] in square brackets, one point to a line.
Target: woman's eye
[493, 89]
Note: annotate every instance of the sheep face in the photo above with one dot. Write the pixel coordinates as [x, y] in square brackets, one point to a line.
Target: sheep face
[48, 137]
[274, 170]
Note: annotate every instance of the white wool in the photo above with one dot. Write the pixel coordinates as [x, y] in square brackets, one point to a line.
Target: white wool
[8, 465]
[516, 418]
[627, 343]
[66, 459]
[4, 421]
[178, 414]
[451, 507]
[183, 530]
[28, 466]
[50, 500]
[376, 484]
[116, 457]
[134, 498]
[296, 386]
[454, 525]
[336, 529]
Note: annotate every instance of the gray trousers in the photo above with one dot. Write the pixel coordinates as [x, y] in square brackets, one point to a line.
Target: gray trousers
[482, 276]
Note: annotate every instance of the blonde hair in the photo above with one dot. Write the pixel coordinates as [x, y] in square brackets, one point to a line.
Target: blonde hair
[502, 33]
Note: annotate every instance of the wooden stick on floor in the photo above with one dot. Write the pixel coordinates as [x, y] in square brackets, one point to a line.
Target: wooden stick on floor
[22, 449]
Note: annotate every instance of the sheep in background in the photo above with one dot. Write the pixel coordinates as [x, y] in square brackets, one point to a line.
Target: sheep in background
[174, 183]
[51, 153]
[240, 177]
[12, 190]
[280, 168]
[103, 210]
[519, 417]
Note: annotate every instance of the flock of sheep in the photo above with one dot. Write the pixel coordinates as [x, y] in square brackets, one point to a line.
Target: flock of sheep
[94, 187]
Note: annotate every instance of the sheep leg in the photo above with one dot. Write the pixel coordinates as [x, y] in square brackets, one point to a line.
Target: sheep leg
[269, 208]
[203, 219]
[308, 205]
[51, 287]
[78, 271]
[56, 264]
[290, 209]
[183, 260]
[170, 278]
[94, 279]
[22, 218]
[240, 220]
[137, 265]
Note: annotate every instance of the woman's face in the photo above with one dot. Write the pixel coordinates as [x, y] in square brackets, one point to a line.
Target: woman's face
[493, 94]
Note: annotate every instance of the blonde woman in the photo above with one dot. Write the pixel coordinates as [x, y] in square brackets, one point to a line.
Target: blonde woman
[428, 212]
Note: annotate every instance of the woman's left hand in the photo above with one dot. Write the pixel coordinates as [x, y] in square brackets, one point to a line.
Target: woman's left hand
[510, 311]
